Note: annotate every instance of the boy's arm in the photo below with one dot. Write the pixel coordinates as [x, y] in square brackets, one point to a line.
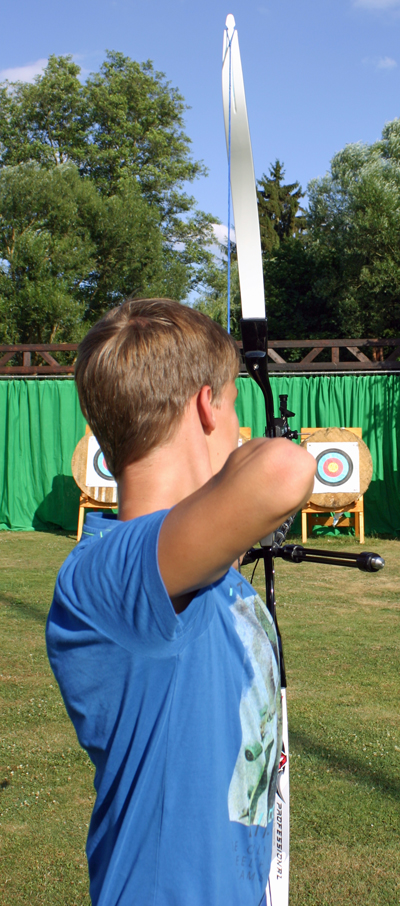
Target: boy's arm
[262, 483]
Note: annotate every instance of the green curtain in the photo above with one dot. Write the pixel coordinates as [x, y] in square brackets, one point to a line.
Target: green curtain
[370, 402]
[41, 423]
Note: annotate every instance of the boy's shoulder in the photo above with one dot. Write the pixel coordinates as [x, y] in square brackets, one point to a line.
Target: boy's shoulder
[110, 554]
[110, 587]
[104, 534]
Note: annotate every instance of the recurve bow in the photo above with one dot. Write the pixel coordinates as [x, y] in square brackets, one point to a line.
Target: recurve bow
[254, 329]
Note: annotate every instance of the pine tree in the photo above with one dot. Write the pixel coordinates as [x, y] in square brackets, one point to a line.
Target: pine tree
[279, 210]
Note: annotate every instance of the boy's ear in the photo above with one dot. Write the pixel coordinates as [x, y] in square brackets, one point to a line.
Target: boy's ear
[206, 410]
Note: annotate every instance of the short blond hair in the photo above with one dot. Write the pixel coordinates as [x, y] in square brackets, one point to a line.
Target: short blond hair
[139, 366]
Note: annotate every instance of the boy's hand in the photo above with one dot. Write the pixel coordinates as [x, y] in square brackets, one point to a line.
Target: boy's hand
[261, 484]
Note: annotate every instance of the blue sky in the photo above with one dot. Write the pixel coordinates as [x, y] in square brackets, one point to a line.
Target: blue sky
[318, 73]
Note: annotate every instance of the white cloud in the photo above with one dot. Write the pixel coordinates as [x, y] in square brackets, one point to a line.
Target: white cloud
[221, 233]
[380, 62]
[386, 63]
[377, 4]
[25, 73]
[221, 239]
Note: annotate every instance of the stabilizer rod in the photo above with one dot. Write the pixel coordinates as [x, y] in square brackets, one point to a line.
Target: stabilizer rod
[295, 553]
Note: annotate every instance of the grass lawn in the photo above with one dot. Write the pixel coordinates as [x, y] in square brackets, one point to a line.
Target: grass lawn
[341, 642]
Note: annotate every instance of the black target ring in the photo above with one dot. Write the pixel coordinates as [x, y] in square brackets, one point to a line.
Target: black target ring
[344, 462]
[98, 468]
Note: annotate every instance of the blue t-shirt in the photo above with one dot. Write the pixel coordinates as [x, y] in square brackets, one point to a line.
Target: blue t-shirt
[180, 715]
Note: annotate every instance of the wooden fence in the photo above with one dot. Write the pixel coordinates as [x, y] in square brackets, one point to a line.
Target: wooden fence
[39, 359]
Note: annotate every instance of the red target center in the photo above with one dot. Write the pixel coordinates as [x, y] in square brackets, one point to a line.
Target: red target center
[332, 467]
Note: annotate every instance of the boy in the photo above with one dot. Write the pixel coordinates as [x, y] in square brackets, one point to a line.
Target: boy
[166, 659]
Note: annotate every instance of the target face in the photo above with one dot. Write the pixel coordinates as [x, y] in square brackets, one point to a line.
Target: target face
[100, 466]
[98, 474]
[338, 467]
[334, 467]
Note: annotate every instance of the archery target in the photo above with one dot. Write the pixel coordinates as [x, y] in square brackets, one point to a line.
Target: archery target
[98, 474]
[100, 466]
[338, 467]
[334, 467]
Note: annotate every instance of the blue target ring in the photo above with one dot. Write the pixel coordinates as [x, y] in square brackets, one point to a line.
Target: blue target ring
[334, 467]
[100, 466]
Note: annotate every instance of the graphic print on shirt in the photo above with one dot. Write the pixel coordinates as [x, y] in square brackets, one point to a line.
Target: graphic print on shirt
[251, 797]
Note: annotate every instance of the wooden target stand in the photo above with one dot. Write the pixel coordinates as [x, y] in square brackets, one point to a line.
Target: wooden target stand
[90, 498]
[315, 514]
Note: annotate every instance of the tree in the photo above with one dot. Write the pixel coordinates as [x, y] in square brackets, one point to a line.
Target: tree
[67, 253]
[45, 250]
[213, 300]
[113, 149]
[135, 129]
[354, 222]
[280, 214]
[284, 258]
[299, 296]
[335, 271]
[45, 121]
[129, 252]
[125, 122]
[126, 119]
[135, 126]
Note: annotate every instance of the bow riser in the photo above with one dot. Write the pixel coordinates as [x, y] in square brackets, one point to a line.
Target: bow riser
[255, 353]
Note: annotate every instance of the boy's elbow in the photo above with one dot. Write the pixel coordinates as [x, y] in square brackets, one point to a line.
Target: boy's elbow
[305, 467]
[294, 473]
[309, 475]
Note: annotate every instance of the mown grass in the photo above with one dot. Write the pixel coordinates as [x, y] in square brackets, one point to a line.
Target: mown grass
[45, 778]
[341, 640]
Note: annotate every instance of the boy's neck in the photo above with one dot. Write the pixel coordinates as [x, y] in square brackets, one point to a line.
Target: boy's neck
[169, 473]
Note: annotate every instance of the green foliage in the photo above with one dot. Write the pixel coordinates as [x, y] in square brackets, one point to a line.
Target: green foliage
[45, 121]
[213, 300]
[117, 148]
[129, 252]
[354, 223]
[135, 126]
[67, 253]
[341, 276]
[46, 252]
[295, 281]
[125, 120]
[280, 214]
[334, 272]
[93, 208]
[287, 269]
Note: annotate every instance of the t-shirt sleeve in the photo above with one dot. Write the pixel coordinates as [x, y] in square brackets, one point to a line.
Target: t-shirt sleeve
[112, 586]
